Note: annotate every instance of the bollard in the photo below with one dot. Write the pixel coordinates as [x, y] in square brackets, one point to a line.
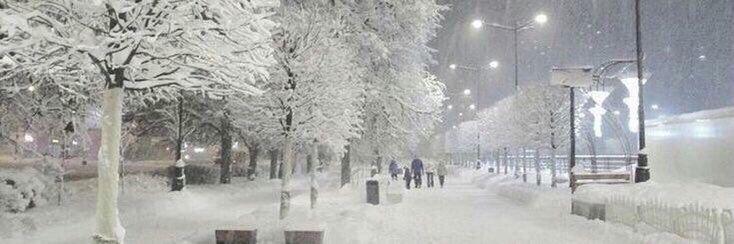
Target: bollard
[236, 236]
[373, 192]
[304, 237]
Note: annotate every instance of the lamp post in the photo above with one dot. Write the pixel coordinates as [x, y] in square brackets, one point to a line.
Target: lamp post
[515, 29]
[492, 65]
[642, 172]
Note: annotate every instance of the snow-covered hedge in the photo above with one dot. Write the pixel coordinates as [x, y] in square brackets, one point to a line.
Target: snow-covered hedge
[197, 174]
[23, 189]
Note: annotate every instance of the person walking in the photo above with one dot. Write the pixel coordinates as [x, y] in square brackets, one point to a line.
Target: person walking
[407, 177]
[394, 170]
[417, 167]
[429, 174]
[441, 171]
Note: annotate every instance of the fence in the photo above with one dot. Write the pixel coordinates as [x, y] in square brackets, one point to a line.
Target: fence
[598, 163]
[691, 221]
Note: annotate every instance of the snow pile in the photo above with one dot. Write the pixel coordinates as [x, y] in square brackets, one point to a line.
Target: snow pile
[675, 194]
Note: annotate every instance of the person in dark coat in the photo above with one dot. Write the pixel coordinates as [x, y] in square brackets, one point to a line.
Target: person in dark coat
[407, 177]
[394, 170]
[417, 167]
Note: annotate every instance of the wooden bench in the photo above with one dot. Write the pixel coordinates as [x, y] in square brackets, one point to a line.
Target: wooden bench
[579, 179]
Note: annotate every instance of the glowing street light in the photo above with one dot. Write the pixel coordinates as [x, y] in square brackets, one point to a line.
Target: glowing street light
[450, 107]
[494, 64]
[28, 138]
[461, 114]
[467, 92]
[541, 19]
[516, 28]
[477, 23]
[655, 107]
[31, 88]
[452, 66]
[472, 107]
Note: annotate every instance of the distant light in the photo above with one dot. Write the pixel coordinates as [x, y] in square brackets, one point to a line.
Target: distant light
[461, 114]
[655, 107]
[467, 92]
[702, 57]
[477, 23]
[236, 144]
[450, 107]
[186, 156]
[454, 127]
[199, 149]
[31, 88]
[168, 149]
[616, 112]
[702, 120]
[541, 18]
[494, 64]
[472, 107]
[28, 138]
[74, 142]
[54, 141]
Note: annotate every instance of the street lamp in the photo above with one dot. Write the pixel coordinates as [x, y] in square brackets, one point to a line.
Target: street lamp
[541, 19]
[450, 107]
[472, 107]
[452, 66]
[467, 92]
[477, 23]
[515, 29]
[494, 64]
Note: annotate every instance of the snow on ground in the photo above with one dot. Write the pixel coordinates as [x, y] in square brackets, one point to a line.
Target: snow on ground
[459, 213]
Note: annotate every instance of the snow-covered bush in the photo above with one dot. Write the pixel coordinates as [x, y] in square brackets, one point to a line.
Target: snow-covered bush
[197, 174]
[24, 189]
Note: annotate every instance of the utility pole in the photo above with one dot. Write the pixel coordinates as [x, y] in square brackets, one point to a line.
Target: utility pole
[642, 172]
[572, 132]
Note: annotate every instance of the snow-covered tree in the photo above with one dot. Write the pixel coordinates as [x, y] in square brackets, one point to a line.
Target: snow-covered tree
[314, 89]
[214, 46]
[403, 101]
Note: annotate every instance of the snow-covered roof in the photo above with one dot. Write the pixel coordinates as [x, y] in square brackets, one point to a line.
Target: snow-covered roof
[704, 115]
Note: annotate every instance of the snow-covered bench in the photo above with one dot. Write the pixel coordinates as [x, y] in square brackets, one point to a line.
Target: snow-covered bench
[601, 178]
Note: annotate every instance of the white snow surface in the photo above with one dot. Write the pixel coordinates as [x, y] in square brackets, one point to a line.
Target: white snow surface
[470, 209]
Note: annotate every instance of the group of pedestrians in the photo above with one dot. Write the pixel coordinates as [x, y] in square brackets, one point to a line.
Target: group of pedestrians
[416, 171]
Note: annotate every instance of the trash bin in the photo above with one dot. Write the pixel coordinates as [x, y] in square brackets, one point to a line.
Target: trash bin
[373, 192]
[491, 170]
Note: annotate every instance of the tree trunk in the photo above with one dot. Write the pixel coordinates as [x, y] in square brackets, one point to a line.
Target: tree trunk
[226, 150]
[497, 162]
[524, 166]
[254, 150]
[537, 167]
[378, 161]
[505, 160]
[312, 173]
[346, 171]
[109, 229]
[309, 162]
[273, 164]
[553, 167]
[285, 194]
[178, 174]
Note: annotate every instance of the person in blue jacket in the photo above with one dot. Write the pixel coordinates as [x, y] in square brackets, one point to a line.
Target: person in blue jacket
[417, 167]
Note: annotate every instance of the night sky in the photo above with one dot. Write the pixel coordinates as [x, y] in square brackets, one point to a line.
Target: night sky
[687, 43]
